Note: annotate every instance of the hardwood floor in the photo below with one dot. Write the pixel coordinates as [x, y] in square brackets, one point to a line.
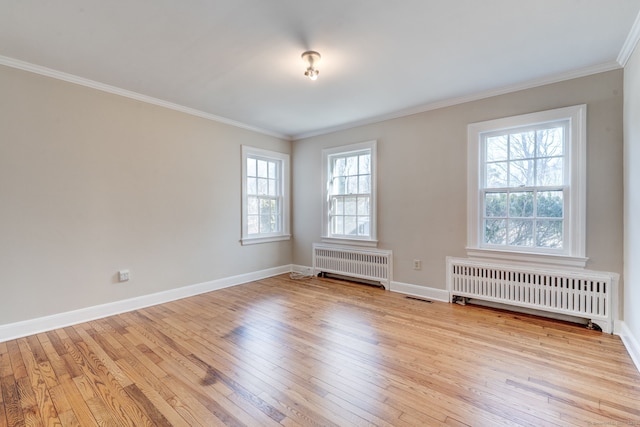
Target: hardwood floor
[317, 352]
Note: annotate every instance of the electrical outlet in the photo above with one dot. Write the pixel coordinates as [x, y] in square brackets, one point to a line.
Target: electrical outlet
[123, 275]
[417, 264]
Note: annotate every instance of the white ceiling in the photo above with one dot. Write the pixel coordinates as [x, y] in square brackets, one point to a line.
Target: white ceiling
[239, 60]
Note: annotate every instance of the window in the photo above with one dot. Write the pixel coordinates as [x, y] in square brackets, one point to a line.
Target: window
[265, 196]
[349, 188]
[527, 184]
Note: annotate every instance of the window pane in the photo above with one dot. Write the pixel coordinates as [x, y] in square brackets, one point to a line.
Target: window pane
[521, 204]
[550, 171]
[252, 224]
[272, 170]
[350, 205]
[551, 142]
[276, 222]
[352, 185]
[364, 164]
[265, 206]
[352, 165]
[521, 173]
[337, 225]
[550, 204]
[495, 231]
[521, 232]
[273, 188]
[262, 186]
[252, 205]
[363, 184]
[495, 204]
[363, 206]
[496, 175]
[339, 186]
[337, 206]
[265, 224]
[496, 148]
[363, 226]
[522, 145]
[251, 166]
[252, 186]
[339, 167]
[262, 169]
[350, 225]
[549, 234]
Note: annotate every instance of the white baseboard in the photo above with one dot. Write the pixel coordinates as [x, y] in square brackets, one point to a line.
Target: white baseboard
[631, 342]
[420, 291]
[42, 324]
[399, 287]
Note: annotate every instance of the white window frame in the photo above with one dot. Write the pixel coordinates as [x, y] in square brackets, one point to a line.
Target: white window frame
[573, 254]
[283, 189]
[327, 155]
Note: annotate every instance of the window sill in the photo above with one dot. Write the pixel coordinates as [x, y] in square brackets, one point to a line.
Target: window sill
[256, 240]
[527, 257]
[350, 242]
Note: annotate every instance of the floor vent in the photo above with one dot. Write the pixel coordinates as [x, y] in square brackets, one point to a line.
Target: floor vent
[591, 295]
[349, 262]
[419, 299]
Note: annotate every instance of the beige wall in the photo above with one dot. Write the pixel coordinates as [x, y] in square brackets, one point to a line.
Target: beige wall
[632, 195]
[91, 183]
[422, 176]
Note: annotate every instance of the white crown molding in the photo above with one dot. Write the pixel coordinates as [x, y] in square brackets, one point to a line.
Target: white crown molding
[630, 43]
[71, 78]
[574, 74]
[42, 324]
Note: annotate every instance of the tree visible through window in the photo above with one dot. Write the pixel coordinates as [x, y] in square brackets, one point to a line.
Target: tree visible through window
[265, 189]
[524, 186]
[527, 186]
[350, 194]
[349, 206]
[264, 210]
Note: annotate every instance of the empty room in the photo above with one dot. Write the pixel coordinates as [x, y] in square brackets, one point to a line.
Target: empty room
[295, 213]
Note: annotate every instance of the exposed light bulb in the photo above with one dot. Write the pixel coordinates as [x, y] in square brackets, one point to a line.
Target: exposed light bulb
[311, 73]
[311, 58]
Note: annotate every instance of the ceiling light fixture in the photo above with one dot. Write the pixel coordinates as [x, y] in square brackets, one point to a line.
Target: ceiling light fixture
[312, 58]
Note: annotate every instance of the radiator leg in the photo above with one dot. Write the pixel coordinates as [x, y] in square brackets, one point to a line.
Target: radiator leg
[459, 300]
[593, 326]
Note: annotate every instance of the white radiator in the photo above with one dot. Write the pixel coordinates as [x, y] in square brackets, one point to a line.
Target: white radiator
[582, 293]
[361, 263]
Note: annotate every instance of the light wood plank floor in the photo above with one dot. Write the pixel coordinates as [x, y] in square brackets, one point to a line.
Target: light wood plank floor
[317, 352]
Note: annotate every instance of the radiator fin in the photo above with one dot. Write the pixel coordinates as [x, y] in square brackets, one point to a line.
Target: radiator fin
[369, 264]
[588, 294]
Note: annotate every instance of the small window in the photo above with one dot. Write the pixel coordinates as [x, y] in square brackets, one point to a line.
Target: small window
[349, 205]
[527, 183]
[265, 196]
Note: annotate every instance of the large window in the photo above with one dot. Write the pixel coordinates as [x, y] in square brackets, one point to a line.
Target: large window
[349, 184]
[265, 196]
[526, 187]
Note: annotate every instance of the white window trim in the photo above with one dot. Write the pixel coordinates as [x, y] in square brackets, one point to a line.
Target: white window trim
[246, 238]
[370, 241]
[574, 255]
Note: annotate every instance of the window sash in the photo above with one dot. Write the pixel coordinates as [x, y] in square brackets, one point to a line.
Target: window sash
[349, 189]
[538, 220]
[265, 199]
[564, 160]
